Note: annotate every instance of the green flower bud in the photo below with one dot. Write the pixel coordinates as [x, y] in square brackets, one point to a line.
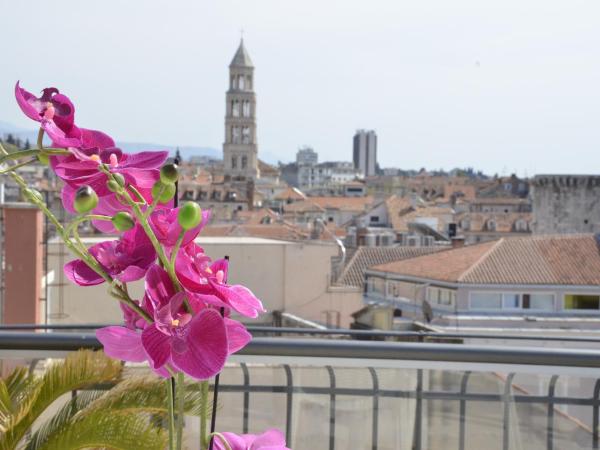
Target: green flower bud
[168, 192]
[190, 215]
[123, 221]
[119, 179]
[168, 173]
[113, 186]
[43, 158]
[86, 199]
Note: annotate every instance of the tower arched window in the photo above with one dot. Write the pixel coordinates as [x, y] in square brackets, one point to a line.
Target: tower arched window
[241, 82]
[232, 82]
[234, 162]
[235, 108]
[249, 83]
[244, 162]
[235, 135]
[246, 108]
[246, 135]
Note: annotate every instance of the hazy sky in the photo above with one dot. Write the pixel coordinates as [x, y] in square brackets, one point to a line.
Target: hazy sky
[499, 85]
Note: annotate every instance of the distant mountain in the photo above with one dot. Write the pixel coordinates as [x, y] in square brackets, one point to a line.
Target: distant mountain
[186, 151]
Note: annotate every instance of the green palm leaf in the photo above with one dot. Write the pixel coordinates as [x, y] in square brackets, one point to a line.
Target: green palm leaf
[80, 369]
[106, 430]
[145, 394]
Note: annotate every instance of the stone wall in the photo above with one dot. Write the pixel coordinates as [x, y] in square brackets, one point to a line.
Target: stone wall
[566, 204]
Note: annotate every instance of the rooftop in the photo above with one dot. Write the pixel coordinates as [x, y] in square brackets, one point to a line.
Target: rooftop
[533, 260]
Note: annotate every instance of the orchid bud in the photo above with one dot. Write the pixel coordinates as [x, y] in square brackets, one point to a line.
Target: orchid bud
[168, 173]
[190, 215]
[43, 158]
[113, 186]
[86, 199]
[119, 179]
[168, 192]
[123, 221]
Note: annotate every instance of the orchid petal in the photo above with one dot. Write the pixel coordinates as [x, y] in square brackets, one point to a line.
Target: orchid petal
[157, 346]
[122, 343]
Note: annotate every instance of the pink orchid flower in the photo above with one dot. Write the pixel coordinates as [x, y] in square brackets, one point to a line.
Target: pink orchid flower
[56, 114]
[197, 275]
[272, 439]
[197, 345]
[125, 259]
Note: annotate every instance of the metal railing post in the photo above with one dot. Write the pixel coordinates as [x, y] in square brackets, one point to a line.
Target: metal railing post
[288, 404]
[463, 410]
[595, 415]
[331, 407]
[418, 411]
[550, 427]
[375, 423]
[506, 399]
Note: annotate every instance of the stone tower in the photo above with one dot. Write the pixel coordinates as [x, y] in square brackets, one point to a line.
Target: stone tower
[240, 152]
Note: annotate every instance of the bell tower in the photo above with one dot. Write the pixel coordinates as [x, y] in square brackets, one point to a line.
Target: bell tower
[240, 151]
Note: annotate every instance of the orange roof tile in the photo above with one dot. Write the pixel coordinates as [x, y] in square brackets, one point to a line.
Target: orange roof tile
[535, 260]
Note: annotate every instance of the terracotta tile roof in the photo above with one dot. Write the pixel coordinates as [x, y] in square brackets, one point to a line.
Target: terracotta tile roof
[302, 206]
[358, 204]
[365, 257]
[534, 260]
[443, 214]
[291, 193]
[272, 231]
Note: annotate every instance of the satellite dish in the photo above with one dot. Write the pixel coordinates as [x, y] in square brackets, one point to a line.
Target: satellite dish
[427, 311]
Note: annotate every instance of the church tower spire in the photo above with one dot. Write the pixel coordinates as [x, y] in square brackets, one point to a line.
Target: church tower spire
[240, 150]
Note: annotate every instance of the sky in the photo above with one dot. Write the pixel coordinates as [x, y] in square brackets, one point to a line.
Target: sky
[502, 86]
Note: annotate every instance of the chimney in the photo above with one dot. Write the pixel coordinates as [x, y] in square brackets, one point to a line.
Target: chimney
[23, 262]
[458, 241]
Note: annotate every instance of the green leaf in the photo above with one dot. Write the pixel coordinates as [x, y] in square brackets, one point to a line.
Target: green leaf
[81, 369]
[104, 429]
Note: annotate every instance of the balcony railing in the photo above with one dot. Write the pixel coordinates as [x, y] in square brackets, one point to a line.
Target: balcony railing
[342, 394]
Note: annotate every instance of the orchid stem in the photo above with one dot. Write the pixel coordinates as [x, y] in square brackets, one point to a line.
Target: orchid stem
[180, 408]
[171, 418]
[40, 138]
[16, 166]
[203, 412]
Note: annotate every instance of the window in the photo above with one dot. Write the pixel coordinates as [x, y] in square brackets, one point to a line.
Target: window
[241, 82]
[375, 219]
[484, 300]
[235, 108]
[246, 135]
[246, 108]
[244, 162]
[235, 135]
[510, 301]
[234, 162]
[574, 301]
[540, 301]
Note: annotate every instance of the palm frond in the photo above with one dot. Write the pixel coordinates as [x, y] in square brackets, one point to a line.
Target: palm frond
[106, 430]
[17, 392]
[145, 394]
[61, 419]
[78, 370]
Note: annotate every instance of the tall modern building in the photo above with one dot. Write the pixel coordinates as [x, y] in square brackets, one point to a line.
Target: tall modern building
[240, 150]
[365, 152]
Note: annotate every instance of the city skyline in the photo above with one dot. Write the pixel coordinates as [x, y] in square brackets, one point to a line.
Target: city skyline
[443, 87]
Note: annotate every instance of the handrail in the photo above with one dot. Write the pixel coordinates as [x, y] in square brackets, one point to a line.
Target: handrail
[257, 329]
[329, 348]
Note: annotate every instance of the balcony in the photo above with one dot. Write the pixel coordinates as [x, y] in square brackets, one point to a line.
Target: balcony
[351, 394]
